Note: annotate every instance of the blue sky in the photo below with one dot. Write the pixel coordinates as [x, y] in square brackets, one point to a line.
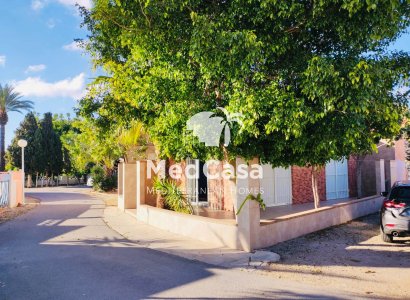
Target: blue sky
[38, 56]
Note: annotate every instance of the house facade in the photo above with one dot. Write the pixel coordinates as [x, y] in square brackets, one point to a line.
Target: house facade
[337, 180]
[286, 194]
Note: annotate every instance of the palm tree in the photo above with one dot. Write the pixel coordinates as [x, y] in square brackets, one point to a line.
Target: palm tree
[9, 101]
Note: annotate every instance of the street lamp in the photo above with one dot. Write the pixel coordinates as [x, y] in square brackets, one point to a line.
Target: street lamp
[22, 144]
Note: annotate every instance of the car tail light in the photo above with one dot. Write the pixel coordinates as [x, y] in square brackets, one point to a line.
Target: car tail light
[390, 225]
[392, 204]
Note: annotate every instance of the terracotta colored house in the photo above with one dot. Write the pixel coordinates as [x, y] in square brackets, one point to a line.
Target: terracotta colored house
[286, 193]
[279, 186]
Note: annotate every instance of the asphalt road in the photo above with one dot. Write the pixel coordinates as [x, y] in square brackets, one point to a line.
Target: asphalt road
[63, 250]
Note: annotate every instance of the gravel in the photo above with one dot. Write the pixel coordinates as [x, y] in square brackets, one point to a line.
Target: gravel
[350, 257]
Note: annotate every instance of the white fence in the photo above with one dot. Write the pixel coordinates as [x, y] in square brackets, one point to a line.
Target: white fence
[5, 179]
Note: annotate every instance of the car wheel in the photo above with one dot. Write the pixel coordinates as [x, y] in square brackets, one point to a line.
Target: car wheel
[388, 238]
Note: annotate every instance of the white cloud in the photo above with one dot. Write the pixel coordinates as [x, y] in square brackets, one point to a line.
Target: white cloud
[35, 68]
[72, 47]
[36, 87]
[37, 4]
[2, 60]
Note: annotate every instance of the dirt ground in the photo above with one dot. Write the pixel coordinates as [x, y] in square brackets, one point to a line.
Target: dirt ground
[7, 213]
[349, 257]
[110, 198]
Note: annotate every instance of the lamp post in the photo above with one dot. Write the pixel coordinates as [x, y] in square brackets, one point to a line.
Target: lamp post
[22, 144]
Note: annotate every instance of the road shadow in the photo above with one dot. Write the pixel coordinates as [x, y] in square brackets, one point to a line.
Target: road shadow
[57, 252]
[42, 257]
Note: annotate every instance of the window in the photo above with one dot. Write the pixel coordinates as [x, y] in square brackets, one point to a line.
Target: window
[401, 194]
[406, 213]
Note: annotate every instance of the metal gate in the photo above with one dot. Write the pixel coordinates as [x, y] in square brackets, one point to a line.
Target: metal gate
[4, 189]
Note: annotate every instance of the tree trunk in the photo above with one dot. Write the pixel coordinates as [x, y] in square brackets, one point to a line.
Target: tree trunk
[29, 181]
[316, 198]
[2, 148]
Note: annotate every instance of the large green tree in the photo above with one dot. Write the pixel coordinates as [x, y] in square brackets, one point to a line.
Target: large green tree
[63, 124]
[314, 80]
[44, 153]
[47, 139]
[10, 101]
[87, 143]
[27, 130]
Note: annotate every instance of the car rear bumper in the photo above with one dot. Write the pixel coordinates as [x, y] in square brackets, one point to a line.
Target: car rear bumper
[395, 224]
[399, 233]
[401, 227]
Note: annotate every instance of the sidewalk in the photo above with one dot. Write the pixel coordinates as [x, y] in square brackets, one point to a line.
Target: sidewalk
[153, 238]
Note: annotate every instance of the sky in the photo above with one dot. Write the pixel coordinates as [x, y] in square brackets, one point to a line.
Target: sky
[39, 57]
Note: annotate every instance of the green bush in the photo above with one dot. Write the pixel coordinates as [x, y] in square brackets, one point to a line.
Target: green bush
[173, 197]
[102, 181]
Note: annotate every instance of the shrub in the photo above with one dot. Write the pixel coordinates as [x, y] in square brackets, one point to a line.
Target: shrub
[102, 181]
[173, 197]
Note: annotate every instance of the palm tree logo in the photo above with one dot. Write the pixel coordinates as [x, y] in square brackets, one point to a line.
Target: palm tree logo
[9, 101]
[208, 127]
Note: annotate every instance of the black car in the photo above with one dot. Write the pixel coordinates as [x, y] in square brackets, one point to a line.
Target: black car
[395, 212]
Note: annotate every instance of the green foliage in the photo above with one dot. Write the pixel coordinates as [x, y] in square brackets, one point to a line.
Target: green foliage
[44, 153]
[87, 144]
[51, 154]
[97, 172]
[62, 124]
[27, 130]
[133, 140]
[258, 199]
[314, 80]
[103, 181]
[103, 132]
[105, 112]
[173, 197]
[10, 101]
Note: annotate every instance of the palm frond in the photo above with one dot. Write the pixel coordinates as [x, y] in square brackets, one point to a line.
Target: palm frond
[10, 100]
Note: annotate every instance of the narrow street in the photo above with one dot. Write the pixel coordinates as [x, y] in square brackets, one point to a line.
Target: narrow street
[62, 249]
